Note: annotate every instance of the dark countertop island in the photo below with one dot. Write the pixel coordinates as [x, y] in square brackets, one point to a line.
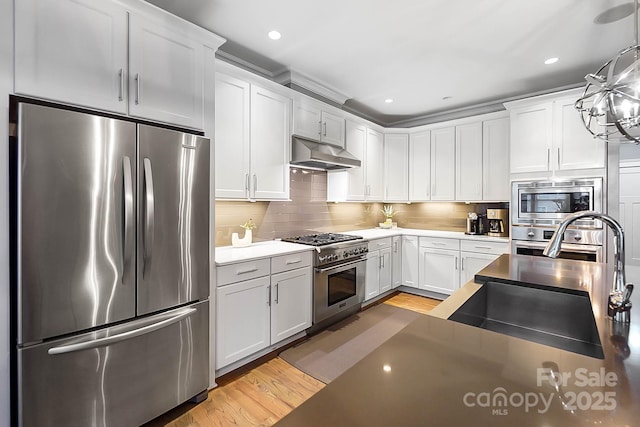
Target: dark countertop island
[443, 373]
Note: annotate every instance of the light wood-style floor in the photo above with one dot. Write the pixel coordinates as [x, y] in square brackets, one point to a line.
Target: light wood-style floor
[265, 394]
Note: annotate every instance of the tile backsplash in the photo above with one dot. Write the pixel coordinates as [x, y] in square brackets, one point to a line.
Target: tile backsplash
[308, 211]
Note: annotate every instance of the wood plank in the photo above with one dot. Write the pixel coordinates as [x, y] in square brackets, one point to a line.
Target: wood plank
[413, 302]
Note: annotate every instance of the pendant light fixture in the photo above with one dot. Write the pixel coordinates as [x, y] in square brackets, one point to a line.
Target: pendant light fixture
[610, 103]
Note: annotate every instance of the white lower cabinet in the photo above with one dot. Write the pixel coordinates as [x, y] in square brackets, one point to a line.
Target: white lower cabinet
[410, 261]
[439, 270]
[396, 262]
[254, 314]
[290, 303]
[471, 263]
[242, 319]
[378, 268]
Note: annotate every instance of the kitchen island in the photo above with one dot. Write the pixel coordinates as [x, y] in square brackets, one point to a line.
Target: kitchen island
[439, 372]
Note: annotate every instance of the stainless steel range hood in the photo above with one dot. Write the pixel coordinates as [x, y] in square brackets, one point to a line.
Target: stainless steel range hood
[313, 154]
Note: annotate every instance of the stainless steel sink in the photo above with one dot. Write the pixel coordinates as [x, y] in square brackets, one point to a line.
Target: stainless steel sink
[552, 317]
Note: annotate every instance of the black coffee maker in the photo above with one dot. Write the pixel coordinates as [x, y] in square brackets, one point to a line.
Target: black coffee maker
[476, 223]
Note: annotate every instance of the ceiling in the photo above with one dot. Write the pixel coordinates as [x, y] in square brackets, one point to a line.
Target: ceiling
[433, 58]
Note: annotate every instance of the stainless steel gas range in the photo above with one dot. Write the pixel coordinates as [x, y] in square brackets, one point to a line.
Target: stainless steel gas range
[339, 275]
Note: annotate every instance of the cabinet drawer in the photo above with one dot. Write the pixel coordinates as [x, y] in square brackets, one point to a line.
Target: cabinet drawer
[377, 244]
[227, 274]
[496, 248]
[440, 243]
[290, 262]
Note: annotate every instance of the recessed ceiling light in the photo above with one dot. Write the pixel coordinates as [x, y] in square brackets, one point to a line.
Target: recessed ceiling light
[551, 61]
[274, 35]
[388, 100]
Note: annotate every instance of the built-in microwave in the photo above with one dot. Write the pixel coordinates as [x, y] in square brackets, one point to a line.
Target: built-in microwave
[548, 202]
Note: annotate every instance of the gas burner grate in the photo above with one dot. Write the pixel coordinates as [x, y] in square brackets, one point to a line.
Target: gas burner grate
[321, 239]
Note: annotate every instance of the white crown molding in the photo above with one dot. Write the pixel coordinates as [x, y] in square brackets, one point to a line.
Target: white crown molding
[296, 78]
[241, 63]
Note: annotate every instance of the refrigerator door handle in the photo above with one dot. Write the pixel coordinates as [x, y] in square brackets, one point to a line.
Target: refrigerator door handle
[149, 214]
[128, 241]
[103, 342]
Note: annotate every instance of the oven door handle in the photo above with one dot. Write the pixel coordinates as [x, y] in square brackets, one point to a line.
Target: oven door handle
[335, 267]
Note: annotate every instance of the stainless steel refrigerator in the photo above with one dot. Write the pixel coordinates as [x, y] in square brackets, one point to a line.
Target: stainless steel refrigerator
[110, 268]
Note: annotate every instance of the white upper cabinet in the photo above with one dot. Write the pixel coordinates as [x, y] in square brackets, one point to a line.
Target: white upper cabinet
[374, 166]
[125, 57]
[547, 135]
[166, 69]
[469, 162]
[495, 160]
[252, 138]
[270, 141]
[311, 121]
[420, 166]
[396, 157]
[356, 143]
[232, 137]
[443, 159]
[73, 51]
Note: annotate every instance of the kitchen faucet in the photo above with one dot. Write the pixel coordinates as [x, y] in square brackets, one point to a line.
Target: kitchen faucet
[619, 304]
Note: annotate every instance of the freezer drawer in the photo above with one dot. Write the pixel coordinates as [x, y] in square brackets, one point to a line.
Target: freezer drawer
[150, 366]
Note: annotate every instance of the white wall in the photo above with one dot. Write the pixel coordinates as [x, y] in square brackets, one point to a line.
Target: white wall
[6, 83]
[629, 152]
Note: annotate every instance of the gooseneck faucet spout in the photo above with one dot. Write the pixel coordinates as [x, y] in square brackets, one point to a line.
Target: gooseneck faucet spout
[619, 297]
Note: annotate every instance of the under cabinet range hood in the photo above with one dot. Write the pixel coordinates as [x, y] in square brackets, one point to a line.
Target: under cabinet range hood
[312, 154]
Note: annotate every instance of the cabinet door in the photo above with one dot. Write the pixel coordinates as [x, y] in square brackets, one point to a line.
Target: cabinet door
[471, 263]
[384, 278]
[531, 138]
[231, 143]
[270, 140]
[469, 162]
[372, 275]
[166, 73]
[396, 167]
[439, 270]
[307, 120]
[410, 261]
[374, 168]
[575, 147]
[290, 303]
[73, 51]
[495, 160]
[420, 166]
[356, 140]
[443, 159]
[333, 129]
[396, 262]
[242, 320]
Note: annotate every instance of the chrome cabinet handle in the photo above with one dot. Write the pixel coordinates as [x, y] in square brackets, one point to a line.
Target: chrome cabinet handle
[320, 127]
[255, 184]
[149, 214]
[121, 85]
[269, 295]
[395, 247]
[246, 183]
[248, 270]
[548, 158]
[461, 264]
[325, 129]
[293, 261]
[456, 263]
[103, 342]
[276, 293]
[128, 240]
[558, 158]
[482, 247]
[137, 79]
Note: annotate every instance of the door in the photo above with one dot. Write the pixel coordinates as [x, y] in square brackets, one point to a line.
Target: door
[242, 319]
[307, 121]
[439, 270]
[270, 142]
[396, 168]
[384, 276]
[420, 166]
[471, 263]
[333, 129]
[290, 303]
[173, 218]
[372, 275]
[630, 218]
[410, 261]
[495, 160]
[100, 378]
[73, 51]
[443, 164]
[75, 225]
[531, 136]
[356, 141]
[469, 162]
[396, 262]
[232, 137]
[374, 169]
[166, 73]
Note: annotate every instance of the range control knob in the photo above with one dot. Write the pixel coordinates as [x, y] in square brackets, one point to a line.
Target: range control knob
[531, 234]
[577, 237]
